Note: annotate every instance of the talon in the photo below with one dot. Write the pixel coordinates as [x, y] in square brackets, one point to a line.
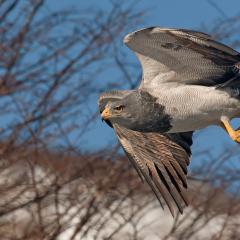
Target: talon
[237, 136]
[234, 134]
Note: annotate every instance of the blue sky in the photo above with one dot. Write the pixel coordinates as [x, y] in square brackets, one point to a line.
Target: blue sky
[180, 14]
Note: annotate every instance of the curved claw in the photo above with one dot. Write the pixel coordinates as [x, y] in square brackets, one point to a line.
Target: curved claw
[234, 134]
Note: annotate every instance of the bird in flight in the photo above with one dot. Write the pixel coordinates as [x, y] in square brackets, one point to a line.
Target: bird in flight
[189, 81]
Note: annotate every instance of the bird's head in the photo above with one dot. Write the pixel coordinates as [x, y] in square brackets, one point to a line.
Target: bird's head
[113, 110]
[137, 110]
[123, 111]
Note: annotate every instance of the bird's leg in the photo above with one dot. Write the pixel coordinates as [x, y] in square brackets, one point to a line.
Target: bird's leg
[234, 134]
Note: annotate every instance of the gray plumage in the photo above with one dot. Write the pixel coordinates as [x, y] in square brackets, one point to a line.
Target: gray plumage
[189, 82]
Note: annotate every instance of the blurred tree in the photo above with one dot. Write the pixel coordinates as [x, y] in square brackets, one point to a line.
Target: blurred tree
[50, 67]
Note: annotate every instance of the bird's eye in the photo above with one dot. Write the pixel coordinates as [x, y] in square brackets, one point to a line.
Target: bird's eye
[119, 108]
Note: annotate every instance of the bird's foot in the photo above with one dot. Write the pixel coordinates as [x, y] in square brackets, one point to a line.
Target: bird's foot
[234, 134]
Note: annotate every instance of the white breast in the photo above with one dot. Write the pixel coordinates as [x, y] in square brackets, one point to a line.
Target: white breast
[195, 107]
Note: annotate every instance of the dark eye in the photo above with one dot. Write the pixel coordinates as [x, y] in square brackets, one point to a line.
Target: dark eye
[119, 108]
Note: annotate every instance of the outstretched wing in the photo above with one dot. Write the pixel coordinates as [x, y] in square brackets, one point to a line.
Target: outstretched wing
[161, 160]
[183, 56]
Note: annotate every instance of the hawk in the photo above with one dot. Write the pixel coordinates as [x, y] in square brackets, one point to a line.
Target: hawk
[189, 81]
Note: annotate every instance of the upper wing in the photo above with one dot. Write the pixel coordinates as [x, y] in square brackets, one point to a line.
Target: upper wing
[184, 56]
[161, 160]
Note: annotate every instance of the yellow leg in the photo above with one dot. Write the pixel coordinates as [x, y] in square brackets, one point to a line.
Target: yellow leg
[234, 134]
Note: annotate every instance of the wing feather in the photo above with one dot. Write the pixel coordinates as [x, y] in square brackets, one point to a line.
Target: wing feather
[152, 156]
[183, 56]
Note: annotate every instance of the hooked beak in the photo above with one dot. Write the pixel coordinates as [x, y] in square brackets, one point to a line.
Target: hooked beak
[105, 114]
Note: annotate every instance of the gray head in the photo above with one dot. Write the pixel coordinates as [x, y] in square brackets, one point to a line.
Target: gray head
[137, 110]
